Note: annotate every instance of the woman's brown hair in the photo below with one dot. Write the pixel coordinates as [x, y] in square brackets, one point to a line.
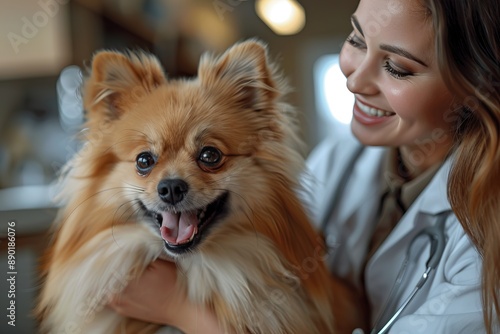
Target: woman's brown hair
[467, 35]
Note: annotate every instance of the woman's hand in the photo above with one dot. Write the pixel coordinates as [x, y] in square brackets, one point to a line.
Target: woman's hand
[155, 297]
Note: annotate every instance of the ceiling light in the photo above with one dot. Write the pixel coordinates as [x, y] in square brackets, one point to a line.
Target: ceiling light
[284, 17]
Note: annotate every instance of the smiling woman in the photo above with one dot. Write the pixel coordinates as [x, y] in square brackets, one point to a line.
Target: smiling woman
[424, 75]
[400, 95]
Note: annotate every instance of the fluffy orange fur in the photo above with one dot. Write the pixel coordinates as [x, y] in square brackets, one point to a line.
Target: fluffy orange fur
[259, 265]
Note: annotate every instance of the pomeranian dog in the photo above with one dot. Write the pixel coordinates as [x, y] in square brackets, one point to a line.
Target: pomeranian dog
[201, 171]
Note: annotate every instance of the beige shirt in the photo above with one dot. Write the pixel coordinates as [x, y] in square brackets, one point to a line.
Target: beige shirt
[397, 195]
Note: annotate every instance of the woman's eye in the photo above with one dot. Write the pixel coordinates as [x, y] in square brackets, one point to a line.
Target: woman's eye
[210, 156]
[144, 162]
[355, 41]
[394, 72]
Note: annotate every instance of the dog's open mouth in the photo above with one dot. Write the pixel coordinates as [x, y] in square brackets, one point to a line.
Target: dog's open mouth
[182, 231]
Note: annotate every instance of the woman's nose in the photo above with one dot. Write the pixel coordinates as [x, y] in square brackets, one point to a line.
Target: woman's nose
[362, 81]
[361, 73]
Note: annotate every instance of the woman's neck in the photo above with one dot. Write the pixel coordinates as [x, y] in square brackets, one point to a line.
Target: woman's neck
[418, 158]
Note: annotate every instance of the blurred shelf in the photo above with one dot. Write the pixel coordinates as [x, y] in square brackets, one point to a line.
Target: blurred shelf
[30, 207]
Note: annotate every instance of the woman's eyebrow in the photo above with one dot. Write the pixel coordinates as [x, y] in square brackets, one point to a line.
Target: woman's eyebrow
[389, 48]
[401, 52]
[356, 24]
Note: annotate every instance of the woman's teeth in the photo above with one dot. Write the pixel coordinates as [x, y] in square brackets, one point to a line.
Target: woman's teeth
[372, 111]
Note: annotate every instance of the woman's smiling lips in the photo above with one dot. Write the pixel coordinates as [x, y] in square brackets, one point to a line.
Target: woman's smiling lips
[368, 115]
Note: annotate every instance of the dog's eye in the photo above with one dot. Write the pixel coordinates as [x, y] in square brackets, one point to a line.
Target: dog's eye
[210, 157]
[144, 162]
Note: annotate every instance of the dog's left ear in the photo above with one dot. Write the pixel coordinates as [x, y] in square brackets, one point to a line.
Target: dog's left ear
[117, 81]
[245, 72]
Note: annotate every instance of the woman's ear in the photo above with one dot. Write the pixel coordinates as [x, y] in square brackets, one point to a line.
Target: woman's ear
[117, 81]
[244, 71]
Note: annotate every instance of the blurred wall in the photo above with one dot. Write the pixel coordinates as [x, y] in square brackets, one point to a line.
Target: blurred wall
[41, 37]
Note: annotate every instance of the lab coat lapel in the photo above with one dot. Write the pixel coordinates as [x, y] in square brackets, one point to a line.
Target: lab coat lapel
[344, 195]
[382, 269]
[330, 201]
[353, 212]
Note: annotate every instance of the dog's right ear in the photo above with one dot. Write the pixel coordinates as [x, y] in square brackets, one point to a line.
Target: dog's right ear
[245, 72]
[118, 81]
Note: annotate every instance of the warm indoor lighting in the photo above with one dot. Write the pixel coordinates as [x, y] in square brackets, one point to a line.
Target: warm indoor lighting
[284, 17]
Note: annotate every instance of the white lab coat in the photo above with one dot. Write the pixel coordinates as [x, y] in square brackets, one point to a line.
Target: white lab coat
[450, 301]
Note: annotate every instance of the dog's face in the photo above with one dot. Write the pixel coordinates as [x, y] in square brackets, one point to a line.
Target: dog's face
[192, 156]
[198, 154]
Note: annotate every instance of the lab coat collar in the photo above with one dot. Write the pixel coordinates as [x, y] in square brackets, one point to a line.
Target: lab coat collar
[431, 202]
[434, 198]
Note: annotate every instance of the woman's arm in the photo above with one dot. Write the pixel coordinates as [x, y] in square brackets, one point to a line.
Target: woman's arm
[154, 297]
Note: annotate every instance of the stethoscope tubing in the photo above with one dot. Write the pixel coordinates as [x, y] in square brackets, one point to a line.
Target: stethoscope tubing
[437, 238]
[396, 314]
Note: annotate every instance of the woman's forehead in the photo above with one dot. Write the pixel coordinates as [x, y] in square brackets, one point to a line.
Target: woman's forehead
[403, 23]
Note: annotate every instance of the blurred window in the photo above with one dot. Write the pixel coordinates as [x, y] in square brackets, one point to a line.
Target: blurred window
[334, 102]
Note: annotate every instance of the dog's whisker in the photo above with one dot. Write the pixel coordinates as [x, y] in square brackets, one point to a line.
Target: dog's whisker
[116, 221]
[133, 186]
[128, 205]
[81, 203]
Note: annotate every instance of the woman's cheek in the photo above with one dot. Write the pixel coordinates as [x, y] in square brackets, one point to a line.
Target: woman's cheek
[401, 102]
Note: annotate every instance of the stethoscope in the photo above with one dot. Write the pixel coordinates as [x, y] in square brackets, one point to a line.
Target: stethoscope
[437, 239]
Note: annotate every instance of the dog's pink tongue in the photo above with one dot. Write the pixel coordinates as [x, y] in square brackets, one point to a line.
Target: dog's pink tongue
[178, 228]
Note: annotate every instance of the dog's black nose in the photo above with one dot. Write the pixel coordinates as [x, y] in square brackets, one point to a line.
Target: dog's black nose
[172, 191]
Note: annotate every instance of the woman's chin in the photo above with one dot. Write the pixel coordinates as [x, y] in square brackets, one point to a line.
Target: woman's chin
[370, 136]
